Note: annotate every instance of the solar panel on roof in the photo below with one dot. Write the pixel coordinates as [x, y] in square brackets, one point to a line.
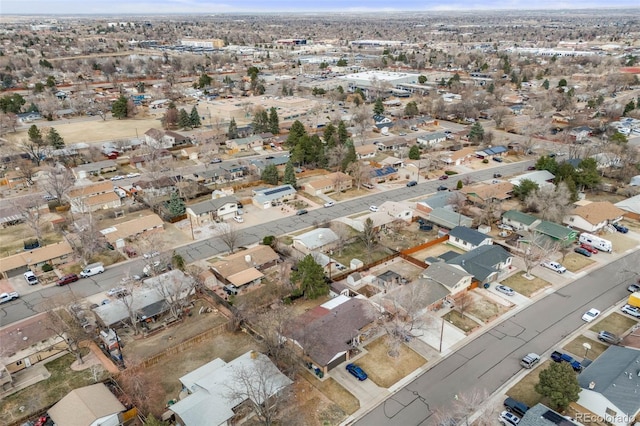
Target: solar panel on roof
[276, 190]
[556, 418]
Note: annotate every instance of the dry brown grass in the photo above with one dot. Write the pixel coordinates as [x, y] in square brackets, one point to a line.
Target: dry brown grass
[575, 262]
[524, 390]
[334, 391]
[485, 309]
[385, 370]
[615, 323]
[464, 323]
[525, 286]
[576, 347]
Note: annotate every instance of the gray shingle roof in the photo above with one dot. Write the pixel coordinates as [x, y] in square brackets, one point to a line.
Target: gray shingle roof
[211, 205]
[541, 415]
[481, 262]
[468, 235]
[517, 216]
[447, 218]
[615, 376]
[445, 274]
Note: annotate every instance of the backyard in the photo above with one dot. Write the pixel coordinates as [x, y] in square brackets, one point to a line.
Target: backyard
[357, 250]
[385, 370]
[525, 286]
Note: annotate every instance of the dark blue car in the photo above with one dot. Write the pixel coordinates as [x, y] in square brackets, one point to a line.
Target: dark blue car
[357, 372]
[620, 228]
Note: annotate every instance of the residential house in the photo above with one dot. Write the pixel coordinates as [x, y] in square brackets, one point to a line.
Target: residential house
[83, 171]
[580, 133]
[191, 152]
[518, 220]
[593, 216]
[321, 239]
[246, 267]
[160, 187]
[28, 117]
[175, 138]
[213, 175]
[53, 254]
[366, 151]
[209, 388]
[13, 179]
[94, 197]
[268, 197]
[259, 164]
[390, 279]
[380, 121]
[328, 333]
[10, 215]
[244, 144]
[559, 233]
[333, 182]
[391, 144]
[92, 405]
[467, 238]
[214, 210]
[383, 174]
[494, 151]
[138, 161]
[155, 138]
[235, 171]
[447, 218]
[29, 341]
[392, 161]
[452, 277]
[483, 193]
[456, 158]
[431, 139]
[610, 386]
[119, 233]
[631, 207]
[541, 415]
[486, 263]
[559, 118]
[441, 199]
[397, 210]
[540, 177]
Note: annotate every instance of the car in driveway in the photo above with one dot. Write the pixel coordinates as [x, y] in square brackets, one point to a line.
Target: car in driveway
[509, 419]
[634, 311]
[238, 219]
[591, 249]
[582, 251]
[590, 315]
[357, 372]
[373, 208]
[67, 279]
[554, 266]
[505, 227]
[620, 228]
[608, 337]
[497, 159]
[117, 292]
[497, 175]
[151, 254]
[329, 204]
[443, 177]
[505, 290]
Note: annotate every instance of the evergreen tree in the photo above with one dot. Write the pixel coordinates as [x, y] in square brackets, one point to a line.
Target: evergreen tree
[414, 153]
[351, 156]
[194, 118]
[343, 135]
[476, 134]
[274, 121]
[411, 109]
[296, 131]
[232, 133]
[34, 135]
[310, 278]
[378, 107]
[175, 205]
[290, 175]
[329, 135]
[545, 84]
[54, 139]
[270, 174]
[630, 106]
[526, 187]
[119, 108]
[204, 81]
[559, 383]
[459, 185]
[260, 122]
[547, 163]
[422, 79]
[184, 121]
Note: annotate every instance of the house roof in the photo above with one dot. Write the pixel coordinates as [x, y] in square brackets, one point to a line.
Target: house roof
[258, 256]
[20, 335]
[435, 291]
[94, 167]
[439, 199]
[107, 197]
[211, 205]
[554, 230]
[541, 177]
[177, 136]
[485, 191]
[266, 195]
[468, 235]
[132, 227]
[10, 214]
[614, 376]
[366, 149]
[481, 261]
[631, 205]
[245, 277]
[89, 190]
[383, 171]
[448, 218]
[211, 385]
[541, 415]
[394, 208]
[328, 332]
[246, 141]
[445, 274]
[35, 256]
[391, 142]
[83, 406]
[518, 216]
[433, 136]
[317, 238]
[330, 180]
[598, 212]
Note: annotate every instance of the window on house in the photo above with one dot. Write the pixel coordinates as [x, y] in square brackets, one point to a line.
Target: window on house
[610, 412]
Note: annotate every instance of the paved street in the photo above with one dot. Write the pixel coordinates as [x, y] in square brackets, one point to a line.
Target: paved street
[492, 359]
[32, 303]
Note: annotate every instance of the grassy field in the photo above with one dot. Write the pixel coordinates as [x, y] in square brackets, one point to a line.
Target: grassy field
[615, 323]
[357, 250]
[464, 323]
[385, 370]
[525, 286]
[576, 347]
[524, 390]
[575, 262]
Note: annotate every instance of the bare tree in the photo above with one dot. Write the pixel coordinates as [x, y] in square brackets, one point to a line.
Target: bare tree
[229, 235]
[37, 150]
[65, 324]
[336, 156]
[141, 389]
[30, 207]
[343, 233]
[128, 299]
[262, 386]
[538, 247]
[463, 406]
[458, 201]
[26, 169]
[86, 240]
[552, 202]
[362, 119]
[58, 182]
[370, 237]
[464, 300]
[175, 290]
[359, 172]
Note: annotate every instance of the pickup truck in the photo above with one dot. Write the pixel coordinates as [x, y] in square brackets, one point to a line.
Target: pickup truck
[560, 357]
[8, 297]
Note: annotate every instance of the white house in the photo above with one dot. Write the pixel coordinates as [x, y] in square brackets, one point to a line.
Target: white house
[593, 216]
[452, 277]
[216, 209]
[467, 238]
[431, 139]
[316, 239]
[397, 210]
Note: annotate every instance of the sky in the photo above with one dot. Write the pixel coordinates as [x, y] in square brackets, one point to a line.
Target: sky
[111, 7]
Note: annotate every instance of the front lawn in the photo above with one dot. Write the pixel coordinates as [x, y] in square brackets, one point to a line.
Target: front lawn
[524, 390]
[486, 310]
[464, 323]
[575, 262]
[525, 286]
[576, 347]
[615, 323]
[334, 391]
[385, 370]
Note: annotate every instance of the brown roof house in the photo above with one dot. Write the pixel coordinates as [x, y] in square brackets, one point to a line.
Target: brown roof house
[481, 193]
[17, 264]
[92, 405]
[155, 139]
[94, 197]
[593, 216]
[337, 181]
[246, 267]
[119, 233]
[329, 333]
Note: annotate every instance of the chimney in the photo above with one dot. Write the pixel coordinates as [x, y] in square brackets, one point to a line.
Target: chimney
[592, 385]
[247, 258]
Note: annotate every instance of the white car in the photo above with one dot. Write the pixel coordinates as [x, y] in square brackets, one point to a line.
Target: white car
[132, 175]
[151, 254]
[555, 266]
[117, 292]
[505, 290]
[373, 208]
[631, 310]
[509, 419]
[329, 204]
[238, 219]
[119, 177]
[505, 227]
[590, 315]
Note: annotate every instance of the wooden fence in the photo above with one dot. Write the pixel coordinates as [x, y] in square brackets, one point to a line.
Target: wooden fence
[426, 245]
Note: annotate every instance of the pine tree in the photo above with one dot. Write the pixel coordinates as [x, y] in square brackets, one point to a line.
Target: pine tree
[559, 383]
[328, 135]
[343, 135]
[232, 133]
[184, 121]
[270, 174]
[260, 122]
[414, 153]
[176, 206]
[194, 118]
[310, 278]
[274, 121]
[290, 175]
[350, 157]
[34, 135]
[476, 134]
[54, 139]
[119, 108]
[378, 107]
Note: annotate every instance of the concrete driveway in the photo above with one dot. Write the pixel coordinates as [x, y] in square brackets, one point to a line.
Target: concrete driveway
[366, 391]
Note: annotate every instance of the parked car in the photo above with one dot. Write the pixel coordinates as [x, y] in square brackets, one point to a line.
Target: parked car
[215, 160]
[608, 337]
[509, 419]
[531, 168]
[8, 297]
[560, 357]
[67, 279]
[633, 288]
[590, 315]
[118, 177]
[589, 248]
[151, 254]
[582, 251]
[634, 311]
[497, 175]
[357, 372]
[31, 278]
[530, 360]
[443, 177]
[330, 204]
[442, 188]
[620, 228]
[238, 219]
[516, 407]
[497, 159]
[117, 292]
[412, 183]
[301, 212]
[554, 266]
[373, 208]
[505, 227]
[133, 175]
[505, 290]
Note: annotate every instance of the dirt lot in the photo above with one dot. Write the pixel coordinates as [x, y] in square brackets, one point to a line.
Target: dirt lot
[621, 242]
[356, 250]
[615, 323]
[525, 286]
[524, 390]
[319, 403]
[13, 237]
[485, 309]
[407, 237]
[385, 370]
[574, 262]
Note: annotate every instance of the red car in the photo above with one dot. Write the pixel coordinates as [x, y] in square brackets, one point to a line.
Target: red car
[67, 279]
[589, 248]
[443, 177]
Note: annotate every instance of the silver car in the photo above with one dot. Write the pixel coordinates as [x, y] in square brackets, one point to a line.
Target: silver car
[634, 311]
[505, 290]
